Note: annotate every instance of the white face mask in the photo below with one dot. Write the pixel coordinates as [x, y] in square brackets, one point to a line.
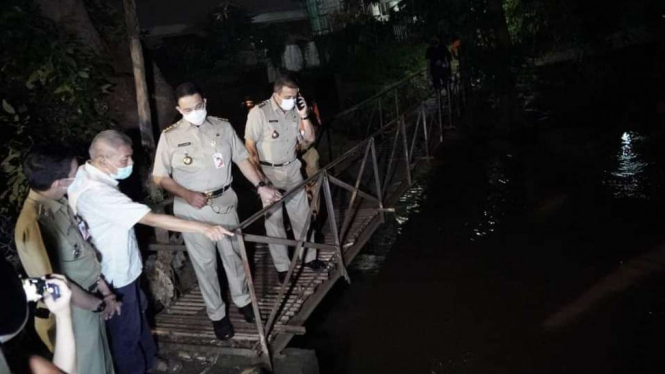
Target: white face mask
[123, 173]
[288, 104]
[196, 117]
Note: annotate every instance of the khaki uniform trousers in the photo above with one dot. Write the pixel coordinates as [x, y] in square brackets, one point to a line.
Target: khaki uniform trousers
[202, 252]
[286, 178]
[92, 348]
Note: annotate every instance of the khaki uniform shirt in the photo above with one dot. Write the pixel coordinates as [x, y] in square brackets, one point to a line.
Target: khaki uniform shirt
[199, 157]
[48, 241]
[275, 132]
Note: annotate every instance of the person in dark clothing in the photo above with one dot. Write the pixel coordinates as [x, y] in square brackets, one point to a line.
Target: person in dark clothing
[439, 63]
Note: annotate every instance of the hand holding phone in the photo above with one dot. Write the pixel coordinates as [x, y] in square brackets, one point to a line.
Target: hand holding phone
[300, 102]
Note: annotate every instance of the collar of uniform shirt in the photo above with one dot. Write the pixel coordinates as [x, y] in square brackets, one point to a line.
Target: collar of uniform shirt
[192, 126]
[53, 205]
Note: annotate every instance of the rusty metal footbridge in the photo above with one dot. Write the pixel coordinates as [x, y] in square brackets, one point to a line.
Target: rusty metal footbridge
[371, 153]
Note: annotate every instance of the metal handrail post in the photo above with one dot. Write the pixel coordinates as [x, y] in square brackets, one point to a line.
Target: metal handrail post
[294, 261]
[415, 136]
[255, 302]
[407, 163]
[440, 114]
[354, 194]
[425, 131]
[391, 160]
[450, 105]
[333, 227]
[377, 179]
[380, 113]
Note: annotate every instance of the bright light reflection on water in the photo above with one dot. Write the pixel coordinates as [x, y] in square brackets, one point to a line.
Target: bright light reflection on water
[494, 205]
[628, 178]
[370, 259]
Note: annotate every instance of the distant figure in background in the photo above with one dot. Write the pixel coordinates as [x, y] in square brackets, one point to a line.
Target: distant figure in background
[456, 55]
[439, 63]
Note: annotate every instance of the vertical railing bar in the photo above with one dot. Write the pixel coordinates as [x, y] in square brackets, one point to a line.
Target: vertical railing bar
[369, 122]
[415, 135]
[406, 150]
[425, 131]
[380, 112]
[450, 105]
[396, 104]
[377, 179]
[296, 258]
[333, 226]
[390, 161]
[440, 114]
[347, 216]
[255, 302]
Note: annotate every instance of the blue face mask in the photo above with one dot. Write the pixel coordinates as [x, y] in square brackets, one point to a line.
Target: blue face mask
[123, 173]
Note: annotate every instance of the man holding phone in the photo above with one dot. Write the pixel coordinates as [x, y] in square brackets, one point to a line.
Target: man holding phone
[274, 129]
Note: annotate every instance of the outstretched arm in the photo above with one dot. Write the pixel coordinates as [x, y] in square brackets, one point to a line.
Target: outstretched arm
[171, 223]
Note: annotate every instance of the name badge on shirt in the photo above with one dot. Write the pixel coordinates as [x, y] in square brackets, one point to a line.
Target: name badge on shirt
[218, 160]
[83, 228]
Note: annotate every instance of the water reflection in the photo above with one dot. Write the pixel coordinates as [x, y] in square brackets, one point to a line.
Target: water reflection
[370, 260]
[628, 178]
[494, 204]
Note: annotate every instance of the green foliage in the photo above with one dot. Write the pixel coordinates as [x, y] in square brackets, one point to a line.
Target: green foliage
[51, 90]
[549, 24]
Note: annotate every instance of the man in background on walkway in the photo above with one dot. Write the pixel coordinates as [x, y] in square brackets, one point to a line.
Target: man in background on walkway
[439, 63]
[111, 217]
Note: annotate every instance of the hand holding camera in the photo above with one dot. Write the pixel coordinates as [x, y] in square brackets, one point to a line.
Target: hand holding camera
[53, 290]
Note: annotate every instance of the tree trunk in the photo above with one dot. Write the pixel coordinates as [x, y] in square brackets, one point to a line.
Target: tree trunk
[500, 25]
[72, 16]
[506, 79]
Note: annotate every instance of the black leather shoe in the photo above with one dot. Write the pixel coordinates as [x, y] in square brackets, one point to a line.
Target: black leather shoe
[315, 265]
[281, 275]
[248, 313]
[223, 329]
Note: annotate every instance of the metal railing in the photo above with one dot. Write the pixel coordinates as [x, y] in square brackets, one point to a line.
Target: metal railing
[401, 130]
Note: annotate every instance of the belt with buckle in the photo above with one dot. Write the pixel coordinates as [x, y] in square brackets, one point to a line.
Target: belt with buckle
[276, 165]
[216, 193]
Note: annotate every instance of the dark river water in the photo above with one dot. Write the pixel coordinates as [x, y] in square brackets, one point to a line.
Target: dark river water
[538, 252]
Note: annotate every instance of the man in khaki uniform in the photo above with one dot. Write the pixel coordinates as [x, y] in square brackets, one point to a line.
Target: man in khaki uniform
[193, 162]
[274, 129]
[50, 239]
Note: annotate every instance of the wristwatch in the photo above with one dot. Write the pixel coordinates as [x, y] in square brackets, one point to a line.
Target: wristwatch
[100, 307]
[259, 185]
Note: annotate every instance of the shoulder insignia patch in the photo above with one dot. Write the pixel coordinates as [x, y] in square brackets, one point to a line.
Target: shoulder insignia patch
[171, 127]
[44, 211]
[218, 119]
[264, 103]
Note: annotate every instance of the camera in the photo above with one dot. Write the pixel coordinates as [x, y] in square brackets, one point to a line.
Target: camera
[35, 288]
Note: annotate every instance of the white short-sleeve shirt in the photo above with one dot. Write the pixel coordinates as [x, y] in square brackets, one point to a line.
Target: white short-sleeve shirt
[111, 217]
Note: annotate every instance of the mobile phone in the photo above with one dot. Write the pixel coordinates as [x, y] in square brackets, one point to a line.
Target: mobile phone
[35, 288]
[300, 102]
